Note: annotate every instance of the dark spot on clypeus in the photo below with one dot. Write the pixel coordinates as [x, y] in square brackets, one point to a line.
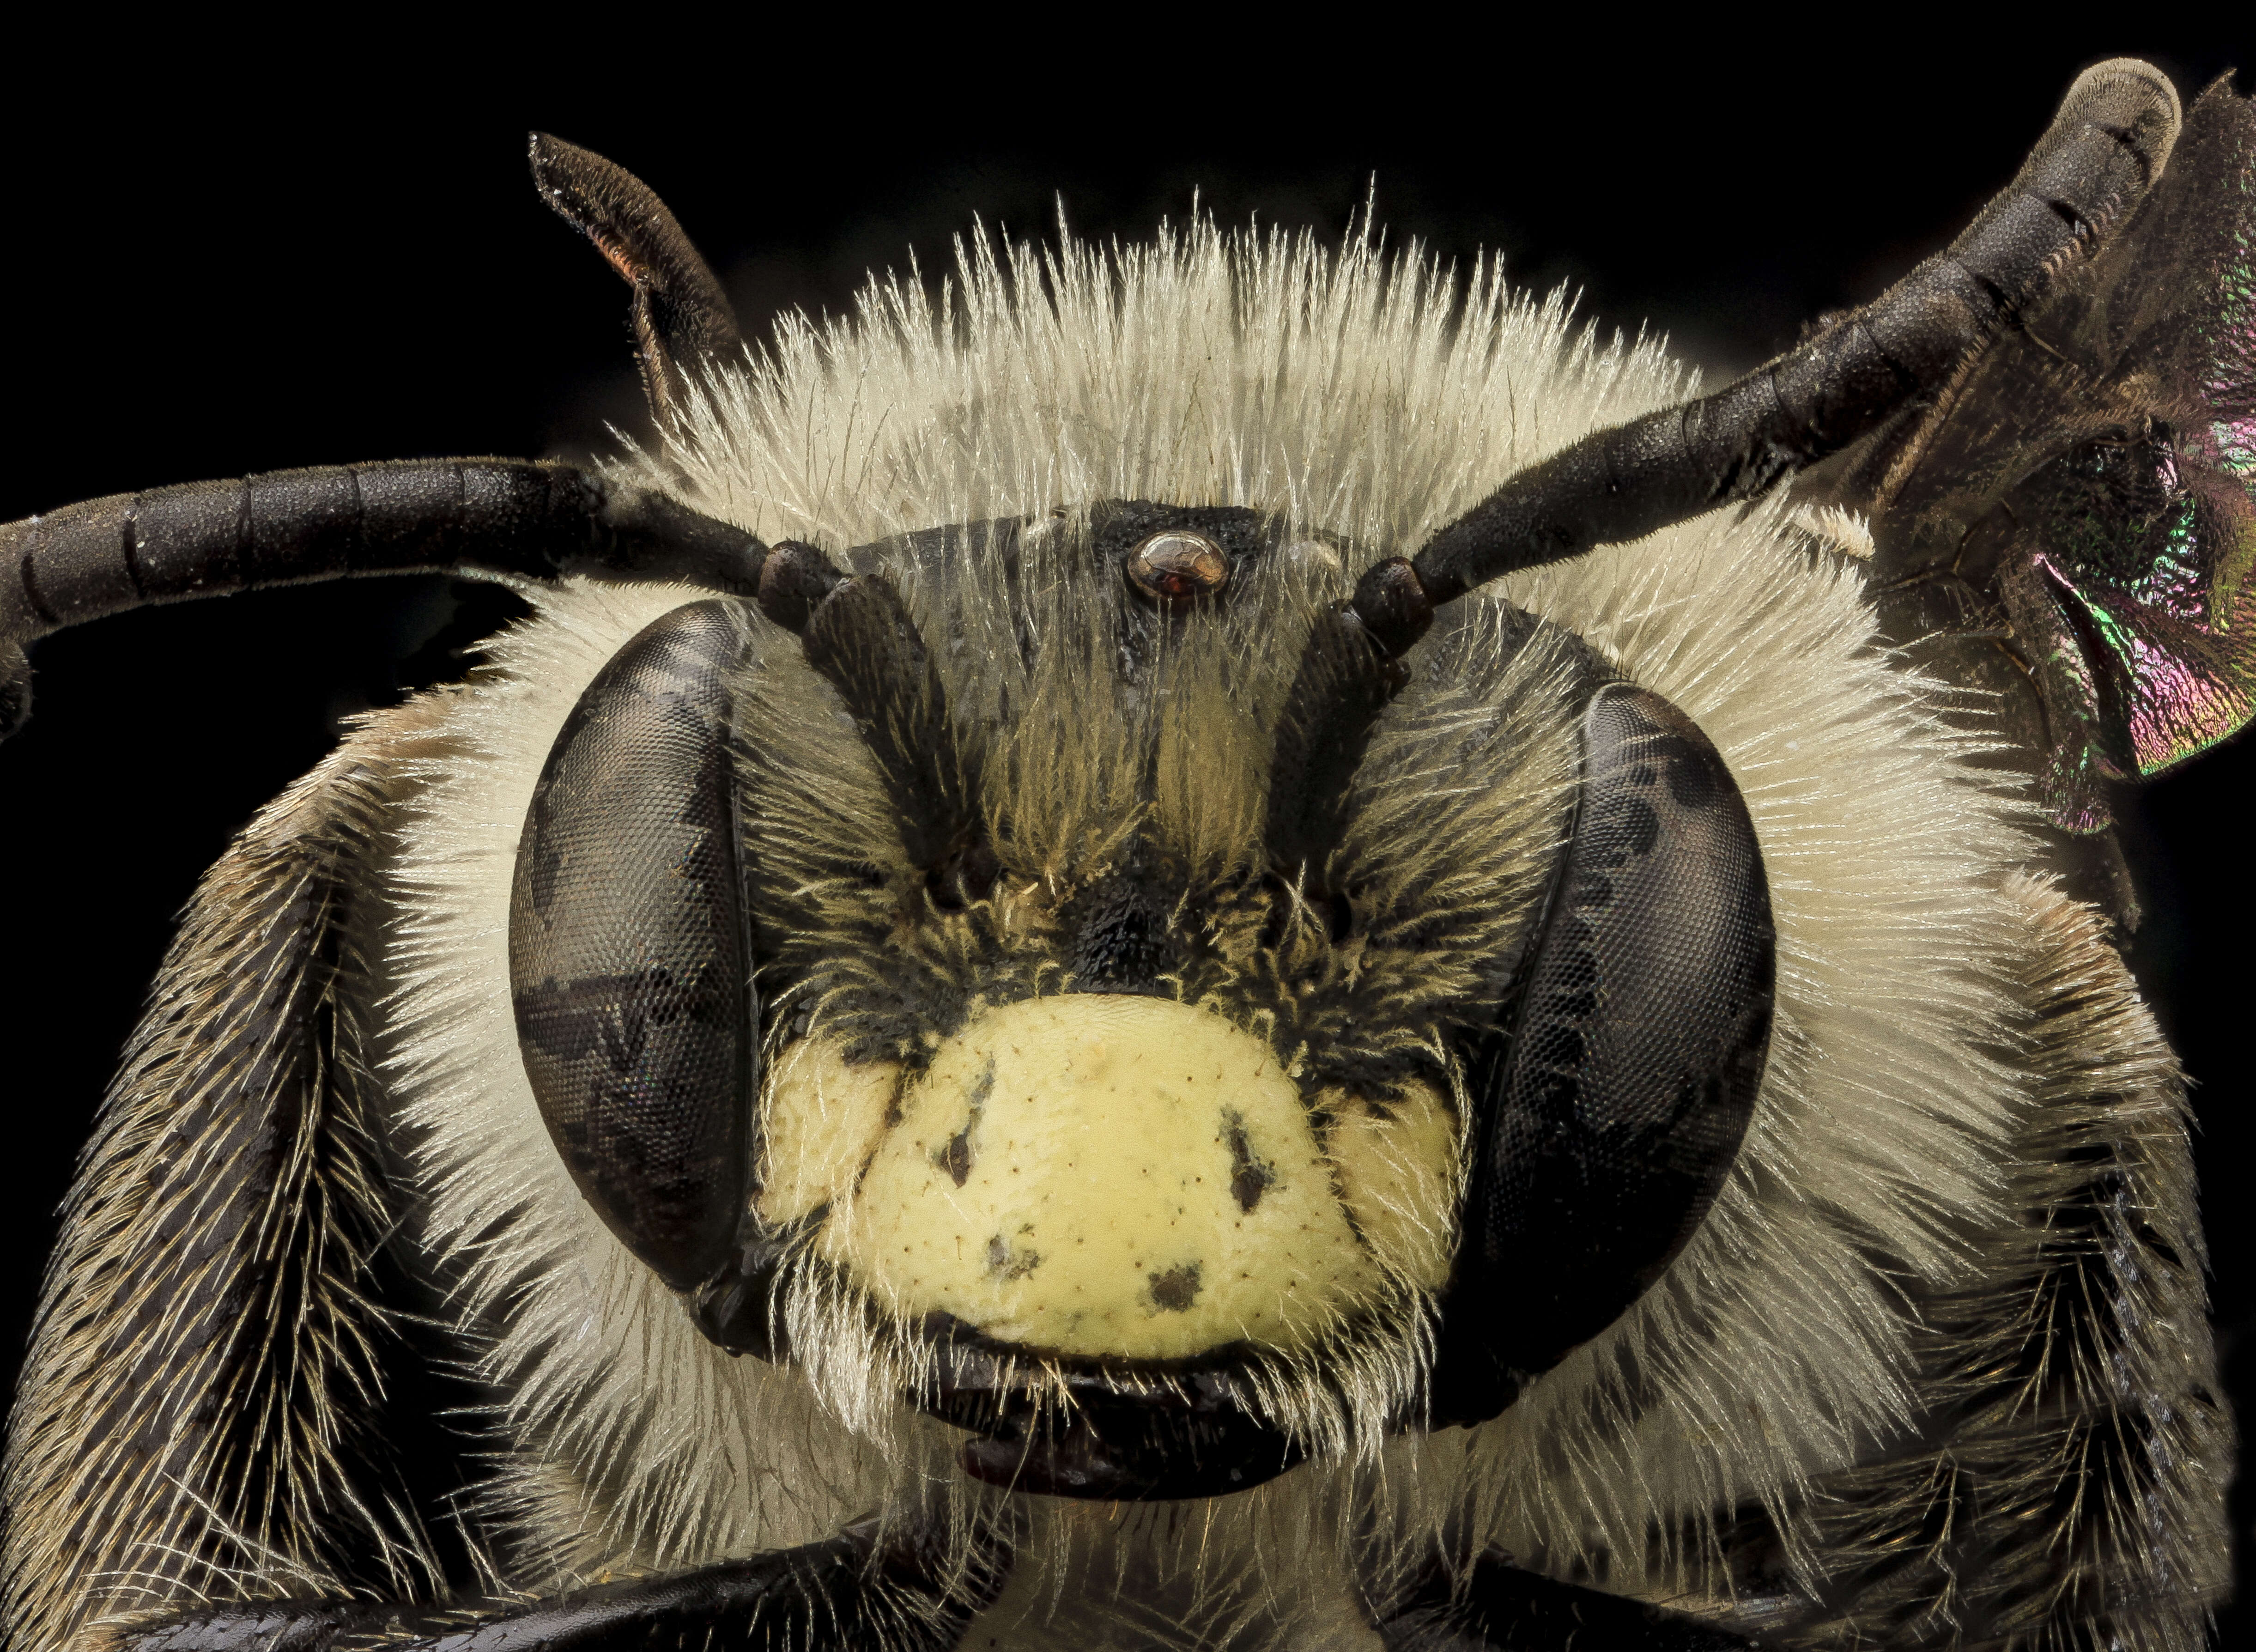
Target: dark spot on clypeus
[1174, 1290]
[1249, 1177]
[1005, 1263]
[956, 1156]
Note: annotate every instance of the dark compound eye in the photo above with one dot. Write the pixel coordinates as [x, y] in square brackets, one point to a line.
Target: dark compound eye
[1177, 568]
[630, 963]
[1610, 1107]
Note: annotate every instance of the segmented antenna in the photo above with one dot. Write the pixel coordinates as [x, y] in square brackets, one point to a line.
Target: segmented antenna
[491, 517]
[2103, 149]
[682, 318]
[502, 518]
[858, 632]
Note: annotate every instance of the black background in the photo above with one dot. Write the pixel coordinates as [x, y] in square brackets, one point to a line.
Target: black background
[219, 261]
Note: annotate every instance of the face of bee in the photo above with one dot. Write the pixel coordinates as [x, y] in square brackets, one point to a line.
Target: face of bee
[1097, 1107]
[1113, 1175]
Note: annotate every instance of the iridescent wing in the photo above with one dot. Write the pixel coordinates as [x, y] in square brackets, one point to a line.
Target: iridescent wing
[2072, 525]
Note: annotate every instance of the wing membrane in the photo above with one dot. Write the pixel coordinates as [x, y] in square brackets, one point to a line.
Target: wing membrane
[2086, 490]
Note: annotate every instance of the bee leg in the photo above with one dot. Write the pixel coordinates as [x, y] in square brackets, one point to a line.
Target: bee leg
[1502, 1605]
[2065, 1485]
[214, 1390]
[849, 1591]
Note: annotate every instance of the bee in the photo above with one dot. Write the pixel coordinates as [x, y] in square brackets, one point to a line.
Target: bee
[1204, 944]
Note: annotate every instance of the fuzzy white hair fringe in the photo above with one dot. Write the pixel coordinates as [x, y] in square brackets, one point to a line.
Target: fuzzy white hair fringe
[1375, 399]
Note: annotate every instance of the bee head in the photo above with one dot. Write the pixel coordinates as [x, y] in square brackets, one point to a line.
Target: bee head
[998, 957]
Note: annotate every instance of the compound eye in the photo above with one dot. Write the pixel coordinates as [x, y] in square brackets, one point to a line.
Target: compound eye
[629, 962]
[1176, 568]
[1612, 1105]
